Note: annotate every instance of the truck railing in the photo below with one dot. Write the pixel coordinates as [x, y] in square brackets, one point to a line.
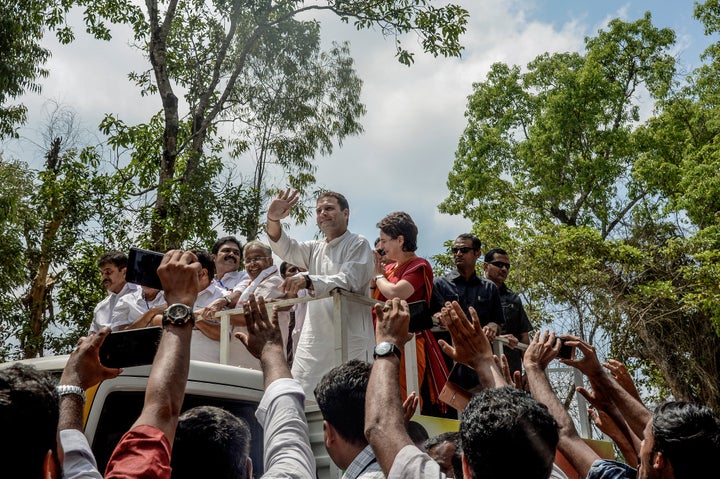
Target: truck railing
[339, 297]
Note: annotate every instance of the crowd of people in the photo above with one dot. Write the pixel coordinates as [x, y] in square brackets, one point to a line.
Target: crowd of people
[509, 427]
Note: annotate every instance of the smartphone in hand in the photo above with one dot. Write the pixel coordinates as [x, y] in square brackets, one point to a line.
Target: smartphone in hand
[131, 347]
[142, 267]
[420, 317]
[566, 352]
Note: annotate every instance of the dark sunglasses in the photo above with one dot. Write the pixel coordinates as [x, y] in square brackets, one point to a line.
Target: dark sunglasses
[463, 250]
[500, 264]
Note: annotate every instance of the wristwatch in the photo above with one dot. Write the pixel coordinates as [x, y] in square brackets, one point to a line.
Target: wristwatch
[178, 314]
[386, 349]
[65, 389]
[379, 276]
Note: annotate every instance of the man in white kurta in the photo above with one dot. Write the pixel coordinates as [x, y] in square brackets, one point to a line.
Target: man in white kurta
[342, 260]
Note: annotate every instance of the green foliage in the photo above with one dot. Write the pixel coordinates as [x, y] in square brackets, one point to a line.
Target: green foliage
[21, 24]
[47, 214]
[79, 292]
[610, 223]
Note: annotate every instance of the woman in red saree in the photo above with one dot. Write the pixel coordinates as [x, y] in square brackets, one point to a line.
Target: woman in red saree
[400, 273]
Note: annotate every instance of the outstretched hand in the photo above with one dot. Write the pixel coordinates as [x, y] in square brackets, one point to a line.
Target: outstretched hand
[470, 344]
[393, 322]
[262, 330]
[622, 376]
[542, 349]
[83, 368]
[280, 207]
[178, 274]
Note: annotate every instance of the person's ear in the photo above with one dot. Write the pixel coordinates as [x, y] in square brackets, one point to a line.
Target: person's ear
[330, 434]
[248, 467]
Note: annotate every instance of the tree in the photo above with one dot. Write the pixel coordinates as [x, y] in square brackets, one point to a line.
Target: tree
[22, 59]
[553, 165]
[23, 24]
[207, 50]
[46, 215]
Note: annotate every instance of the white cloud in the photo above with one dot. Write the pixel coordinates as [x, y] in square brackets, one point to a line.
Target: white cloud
[415, 115]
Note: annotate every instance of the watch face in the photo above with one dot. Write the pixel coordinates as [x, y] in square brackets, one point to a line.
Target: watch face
[177, 311]
[383, 349]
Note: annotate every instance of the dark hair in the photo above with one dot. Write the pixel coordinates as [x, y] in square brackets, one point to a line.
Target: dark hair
[340, 394]
[501, 424]
[29, 414]
[342, 201]
[457, 461]
[417, 432]
[210, 442]
[400, 223]
[226, 239]
[688, 435]
[476, 244]
[489, 255]
[206, 261]
[450, 436]
[118, 258]
[284, 267]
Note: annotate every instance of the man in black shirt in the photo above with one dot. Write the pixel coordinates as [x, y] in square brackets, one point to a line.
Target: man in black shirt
[469, 289]
[517, 325]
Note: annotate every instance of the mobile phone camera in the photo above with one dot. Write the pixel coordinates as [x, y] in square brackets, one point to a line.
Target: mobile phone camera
[566, 351]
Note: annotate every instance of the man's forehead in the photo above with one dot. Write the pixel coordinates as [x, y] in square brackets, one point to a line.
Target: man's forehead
[231, 245]
[463, 242]
[328, 200]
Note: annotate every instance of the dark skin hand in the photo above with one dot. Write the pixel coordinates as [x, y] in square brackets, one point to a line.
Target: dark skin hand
[264, 340]
[85, 370]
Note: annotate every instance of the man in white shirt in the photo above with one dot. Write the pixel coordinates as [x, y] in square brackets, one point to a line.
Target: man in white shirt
[113, 265]
[227, 254]
[135, 310]
[341, 260]
[205, 345]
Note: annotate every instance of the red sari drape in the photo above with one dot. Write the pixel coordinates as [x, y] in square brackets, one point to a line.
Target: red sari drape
[431, 364]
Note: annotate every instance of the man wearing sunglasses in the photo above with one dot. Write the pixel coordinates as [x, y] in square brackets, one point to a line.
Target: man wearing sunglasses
[517, 326]
[468, 289]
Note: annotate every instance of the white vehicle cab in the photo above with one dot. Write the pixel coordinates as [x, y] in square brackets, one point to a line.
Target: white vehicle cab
[113, 405]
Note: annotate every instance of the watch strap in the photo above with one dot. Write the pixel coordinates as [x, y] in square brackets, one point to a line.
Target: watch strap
[391, 349]
[65, 389]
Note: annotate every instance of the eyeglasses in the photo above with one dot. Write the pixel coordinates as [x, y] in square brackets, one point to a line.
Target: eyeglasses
[255, 260]
[462, 249]
[500, 264]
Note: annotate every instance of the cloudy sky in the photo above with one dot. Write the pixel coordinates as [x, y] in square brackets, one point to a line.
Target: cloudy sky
[415, 115]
